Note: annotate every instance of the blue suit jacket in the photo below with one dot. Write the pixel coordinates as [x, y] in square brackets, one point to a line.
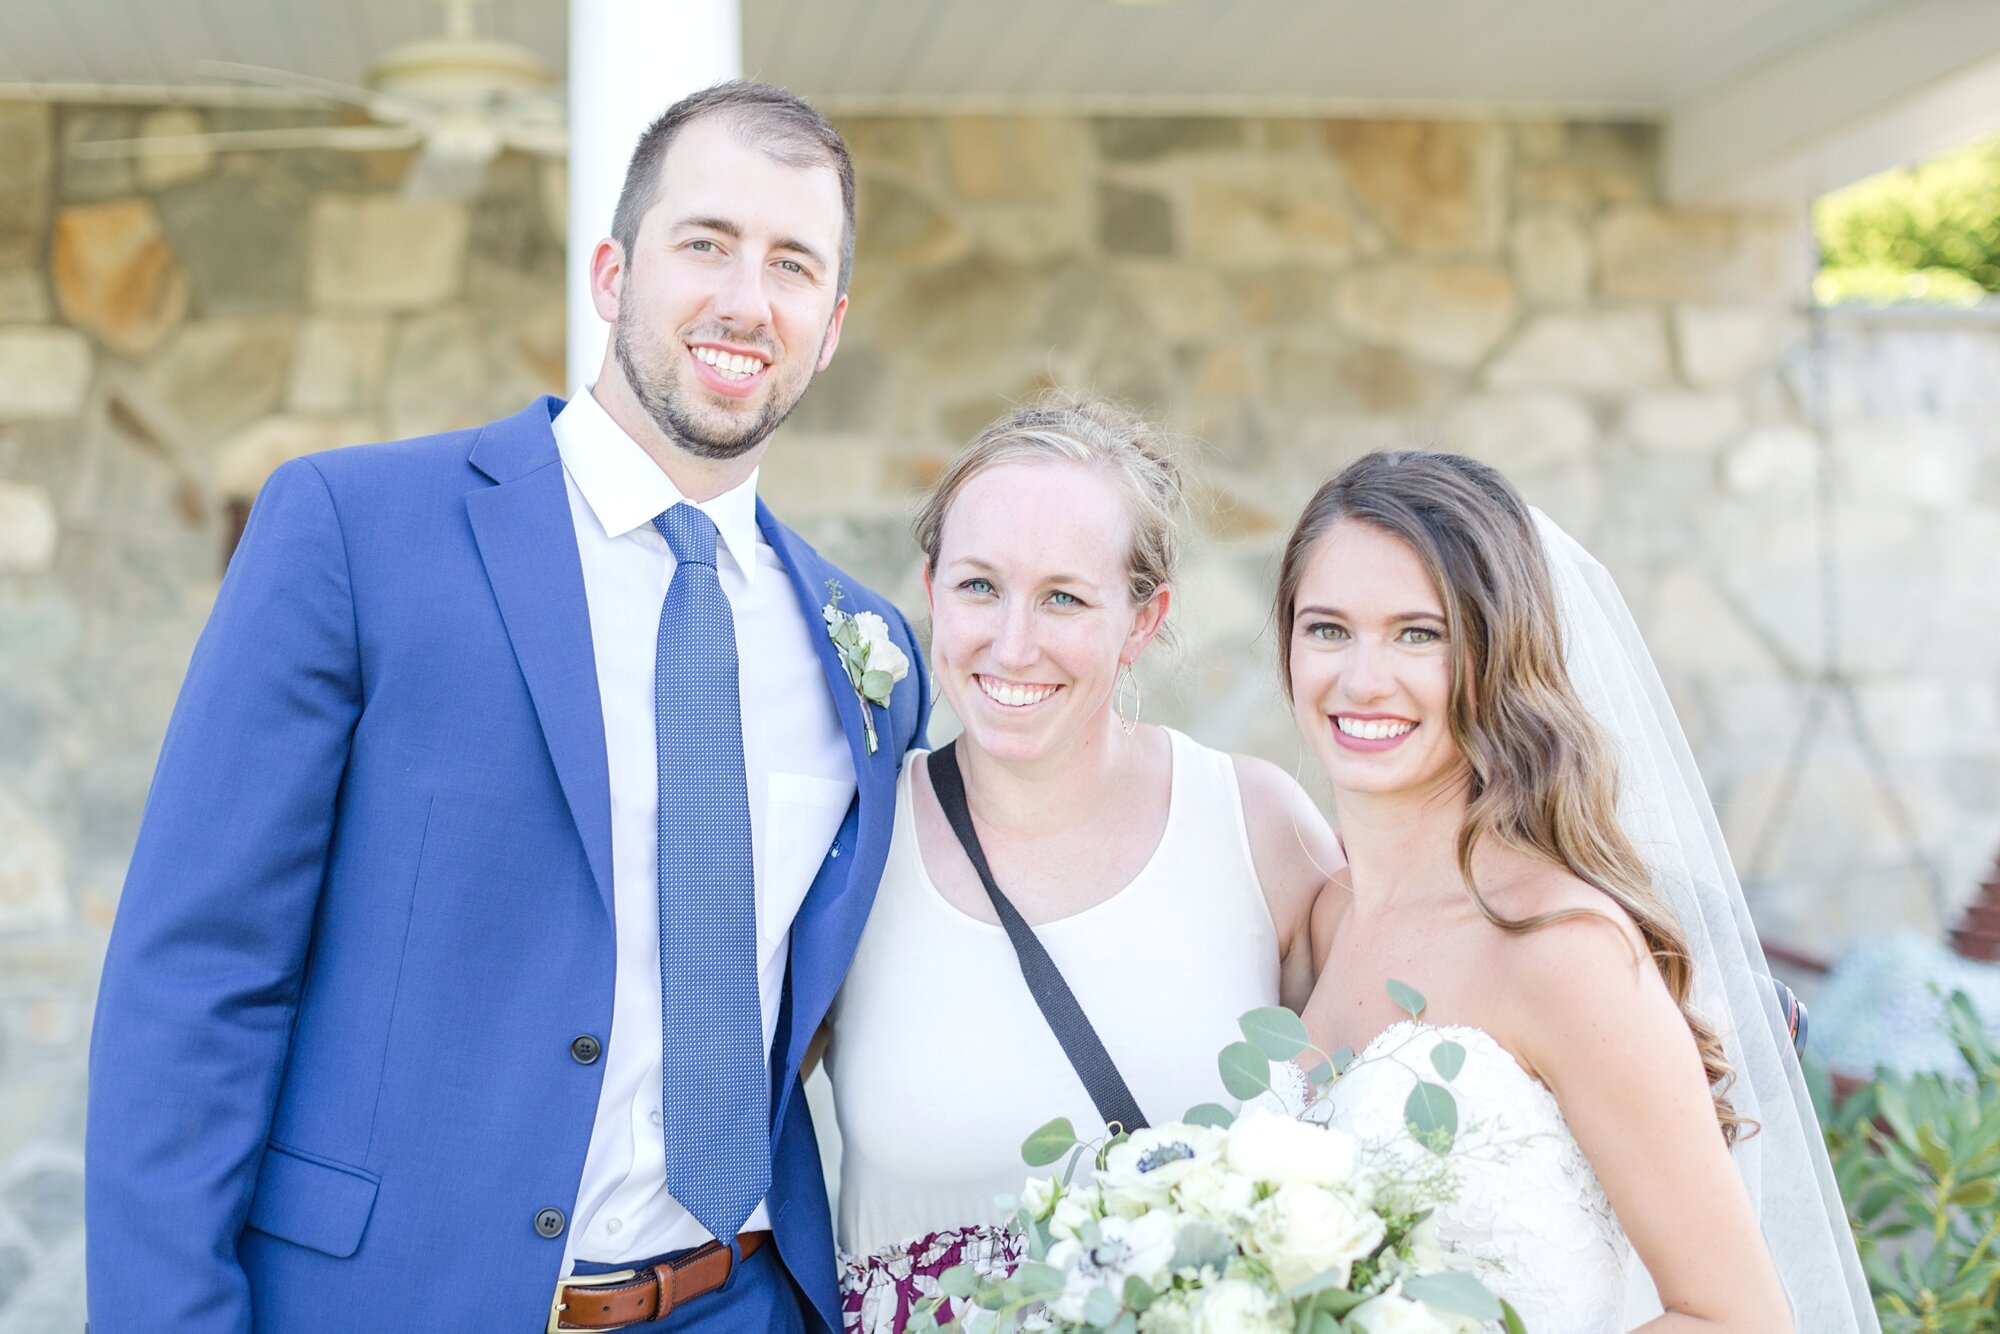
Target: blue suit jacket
[331, 1085]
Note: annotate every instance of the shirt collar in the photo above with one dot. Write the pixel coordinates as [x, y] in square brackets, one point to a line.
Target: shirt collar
[625, 489]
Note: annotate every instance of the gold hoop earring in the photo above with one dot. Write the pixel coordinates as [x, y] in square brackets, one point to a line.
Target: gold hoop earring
[1127, 676]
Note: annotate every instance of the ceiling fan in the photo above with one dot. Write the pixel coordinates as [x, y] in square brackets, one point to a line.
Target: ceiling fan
[459, 99]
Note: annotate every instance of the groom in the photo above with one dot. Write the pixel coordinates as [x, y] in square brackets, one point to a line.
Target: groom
[513, 831]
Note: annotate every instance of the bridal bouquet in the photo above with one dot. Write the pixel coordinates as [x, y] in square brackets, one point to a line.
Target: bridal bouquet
[1266, 1222]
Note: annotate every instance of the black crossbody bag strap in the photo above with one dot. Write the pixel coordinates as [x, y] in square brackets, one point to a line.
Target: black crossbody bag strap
[1079, 1040]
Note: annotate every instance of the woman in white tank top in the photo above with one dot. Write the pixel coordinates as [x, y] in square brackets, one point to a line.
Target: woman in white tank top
[1171, 884]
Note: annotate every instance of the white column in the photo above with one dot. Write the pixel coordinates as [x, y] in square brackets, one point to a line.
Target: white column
[629, 60]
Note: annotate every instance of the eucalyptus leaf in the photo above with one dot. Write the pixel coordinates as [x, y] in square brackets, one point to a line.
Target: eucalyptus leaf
[1407, 998]
[1210, 1114]
[1139, 1294]
[1276, 1031]
[1246, 1072]
[1342, 1058]
[1322, 1073]
[876, 685]
[1448, 1058]
[1200, 1244]
[959, 1281]
[1455, 1291]
[1035, 1280]
[1049, 1143]
[1432, 1114]
[1325, 1322]
[1126, 1323]
[1100, 1307]
[1075, 1157]
[1336, 1301]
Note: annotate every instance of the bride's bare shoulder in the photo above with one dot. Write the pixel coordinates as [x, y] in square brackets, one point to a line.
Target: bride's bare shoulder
[1590, 947]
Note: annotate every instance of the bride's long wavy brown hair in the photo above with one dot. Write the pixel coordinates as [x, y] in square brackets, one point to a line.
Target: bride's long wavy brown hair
[1543, 779]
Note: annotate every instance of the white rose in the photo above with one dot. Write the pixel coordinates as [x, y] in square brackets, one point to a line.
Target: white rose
[1038, 1195]
[883, 655]
[1428, 1253]
[1141, 1172]
[1214, 1192]
[1393, 1313]
[1169, 1314]
[1072, 1211]
[1268, 1147]
[1303, 1230]
[1238, 1306]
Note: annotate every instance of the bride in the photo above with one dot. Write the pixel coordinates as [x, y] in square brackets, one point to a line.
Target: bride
[1529, 849]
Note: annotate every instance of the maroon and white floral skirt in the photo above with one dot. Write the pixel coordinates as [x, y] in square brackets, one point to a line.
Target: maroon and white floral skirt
[879, 1291]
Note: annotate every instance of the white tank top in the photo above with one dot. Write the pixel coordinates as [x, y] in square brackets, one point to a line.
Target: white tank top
[942, 1064]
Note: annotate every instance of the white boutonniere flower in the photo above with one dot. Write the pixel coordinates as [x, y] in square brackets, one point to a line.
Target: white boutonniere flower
[873, 661]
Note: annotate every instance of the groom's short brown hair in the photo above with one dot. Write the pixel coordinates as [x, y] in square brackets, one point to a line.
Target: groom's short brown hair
[781, 124]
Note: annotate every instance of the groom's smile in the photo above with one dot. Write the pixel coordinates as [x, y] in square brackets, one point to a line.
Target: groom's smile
[736, 372]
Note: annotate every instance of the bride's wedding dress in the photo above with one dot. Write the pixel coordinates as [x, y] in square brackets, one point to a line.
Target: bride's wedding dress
[1528, 1215]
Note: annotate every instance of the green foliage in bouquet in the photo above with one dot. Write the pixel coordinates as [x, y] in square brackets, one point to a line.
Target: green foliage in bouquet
[1260, 1223]
[1918, 1162]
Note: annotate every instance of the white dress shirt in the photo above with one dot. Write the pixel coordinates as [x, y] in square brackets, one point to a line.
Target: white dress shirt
[798, 771]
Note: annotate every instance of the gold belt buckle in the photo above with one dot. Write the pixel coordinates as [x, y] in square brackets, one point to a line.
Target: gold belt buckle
[557, 1306]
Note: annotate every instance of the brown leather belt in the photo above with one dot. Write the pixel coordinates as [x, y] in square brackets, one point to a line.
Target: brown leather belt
[634, 1296]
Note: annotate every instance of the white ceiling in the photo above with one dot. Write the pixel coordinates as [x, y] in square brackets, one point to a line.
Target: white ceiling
[1638, 57]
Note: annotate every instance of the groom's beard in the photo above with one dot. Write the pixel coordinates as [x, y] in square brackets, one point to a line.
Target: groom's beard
[665, 398]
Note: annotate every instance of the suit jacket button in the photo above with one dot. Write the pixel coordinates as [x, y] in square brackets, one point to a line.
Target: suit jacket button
[550, 1222]
[585, 1049]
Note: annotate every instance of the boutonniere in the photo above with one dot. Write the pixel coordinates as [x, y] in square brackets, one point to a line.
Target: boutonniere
[874, 664]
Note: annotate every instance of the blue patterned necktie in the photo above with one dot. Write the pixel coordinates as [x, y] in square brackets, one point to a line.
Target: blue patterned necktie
[716, 1094]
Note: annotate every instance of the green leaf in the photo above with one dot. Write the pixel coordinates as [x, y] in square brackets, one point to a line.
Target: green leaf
[1455, 1291]
[1276, 1031]
[1069, 1172]
[1934, 1152]
[1337, 1301]
[1035, 1280]
[1139, 1294]
[1245, 1070]
[1512, 1319]
[1407, 998]
[1341, 1059]
[1100, 1307]
[959, 1281]
[1124, 1324]
[1201, 1244]
[1049, 1143]
[1978, 1193]
[1432, 1114]
[876, 685]
[1449, 1058]
[1210, 1114]
[1320, 1074]
[1324, 1322]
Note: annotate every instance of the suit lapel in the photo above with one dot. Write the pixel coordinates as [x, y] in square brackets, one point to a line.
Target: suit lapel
[528, 543]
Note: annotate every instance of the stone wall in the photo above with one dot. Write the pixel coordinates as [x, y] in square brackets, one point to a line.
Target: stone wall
[1285, 294]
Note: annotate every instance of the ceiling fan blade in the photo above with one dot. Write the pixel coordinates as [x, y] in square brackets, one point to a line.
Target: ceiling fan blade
[451, 166]
[348, 137]
[383, 106]
[541, 140]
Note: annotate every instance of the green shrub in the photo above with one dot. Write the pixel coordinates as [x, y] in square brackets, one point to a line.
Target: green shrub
[1918, 1161]
[1928, 234]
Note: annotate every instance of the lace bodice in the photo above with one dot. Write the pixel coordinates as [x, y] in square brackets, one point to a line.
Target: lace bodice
[1529, 1213]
